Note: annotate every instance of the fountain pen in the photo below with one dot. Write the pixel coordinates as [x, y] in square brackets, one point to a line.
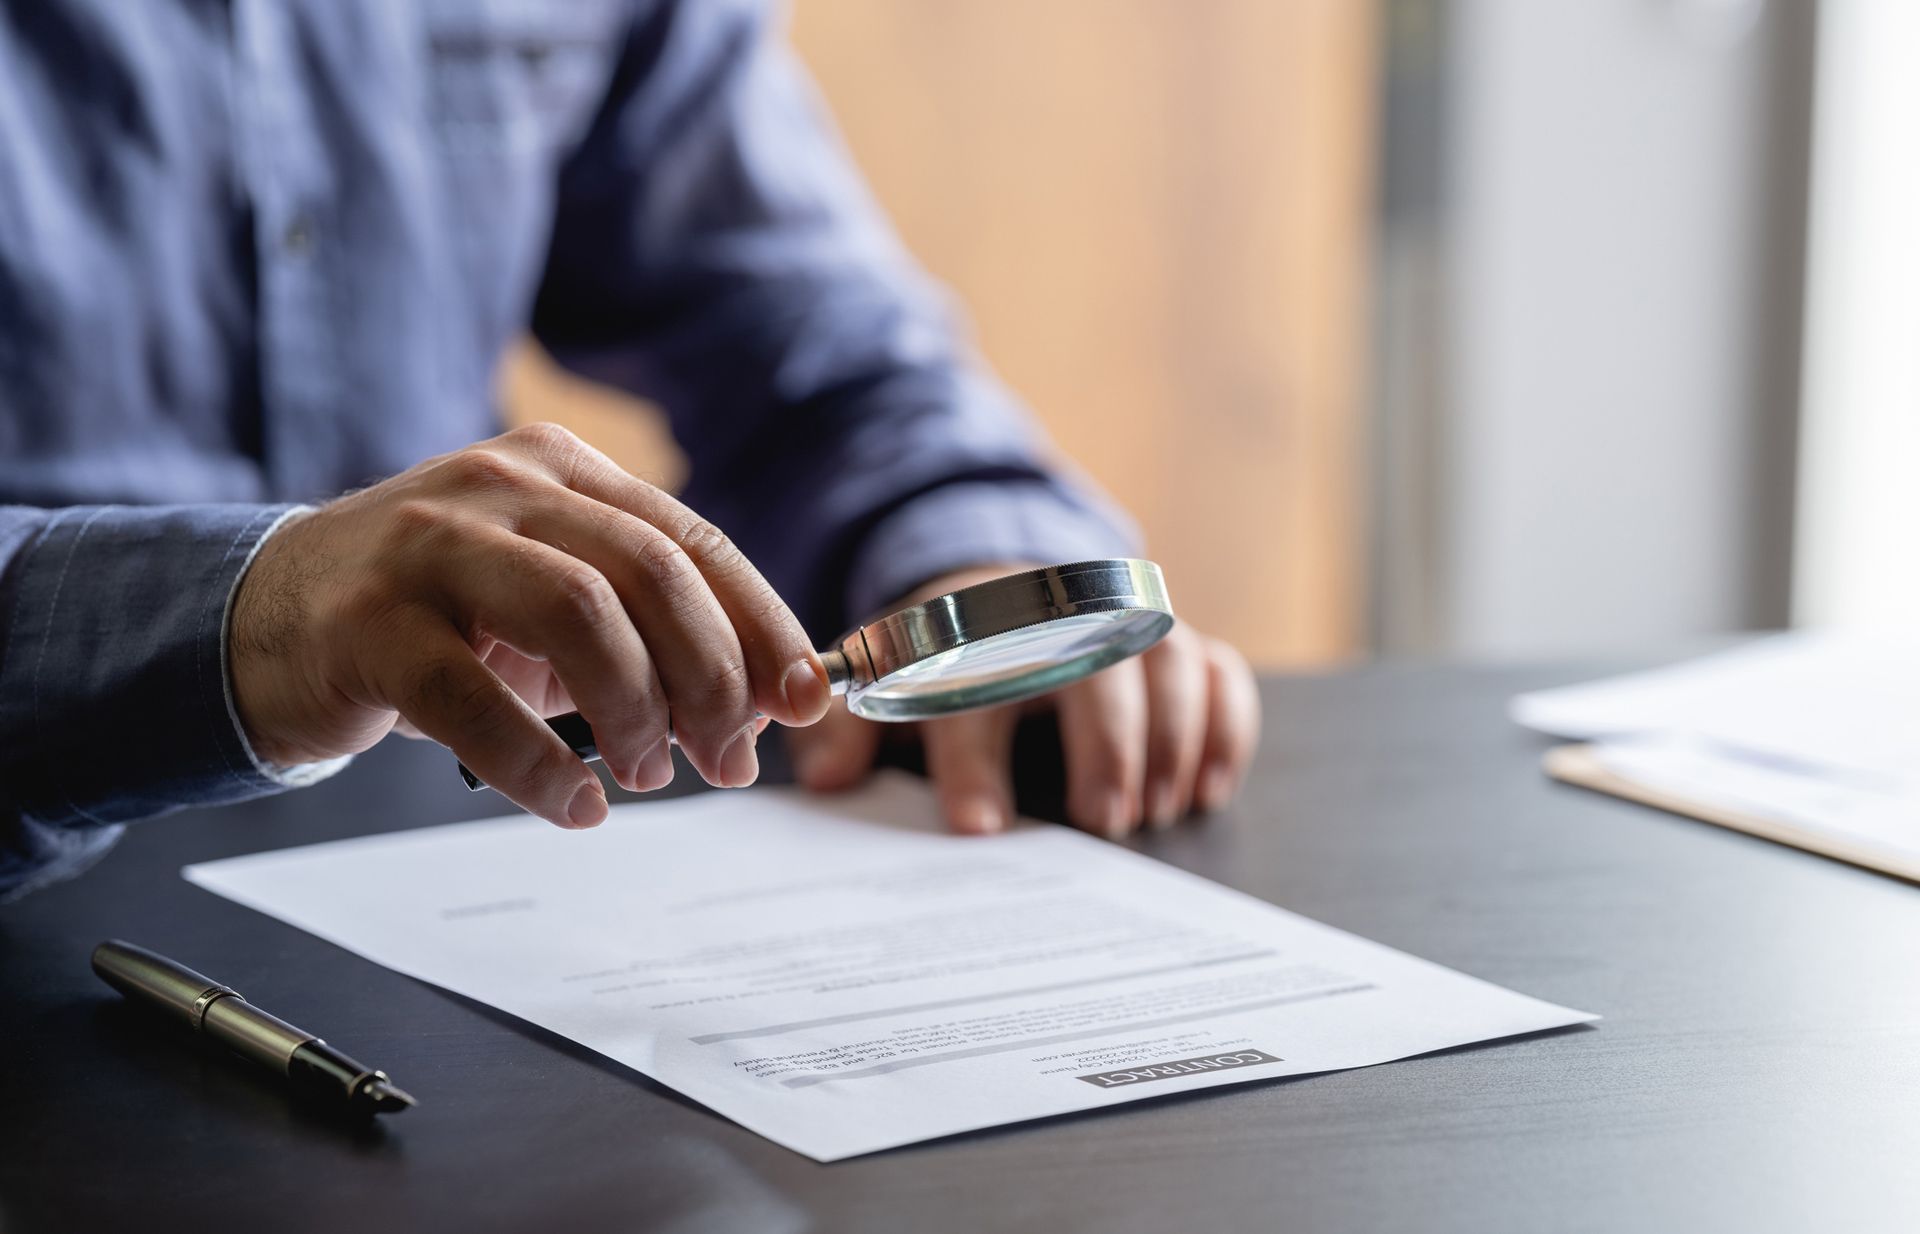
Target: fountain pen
[211, 1008]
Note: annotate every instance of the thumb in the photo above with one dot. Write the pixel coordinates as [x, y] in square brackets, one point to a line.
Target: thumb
[837, 752]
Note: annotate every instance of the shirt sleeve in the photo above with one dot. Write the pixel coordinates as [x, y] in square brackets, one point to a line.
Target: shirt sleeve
[114, 697]
[714, 251]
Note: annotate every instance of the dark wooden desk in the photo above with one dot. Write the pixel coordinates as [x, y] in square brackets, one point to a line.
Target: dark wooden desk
[1759, 1067]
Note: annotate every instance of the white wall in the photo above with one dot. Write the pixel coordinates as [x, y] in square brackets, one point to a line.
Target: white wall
[1605, 401]
[1857, 551]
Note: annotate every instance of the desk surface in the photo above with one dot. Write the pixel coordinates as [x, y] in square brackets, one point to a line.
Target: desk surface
[1758, 1069]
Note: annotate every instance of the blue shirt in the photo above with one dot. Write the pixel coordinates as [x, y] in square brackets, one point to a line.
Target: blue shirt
[255, 252]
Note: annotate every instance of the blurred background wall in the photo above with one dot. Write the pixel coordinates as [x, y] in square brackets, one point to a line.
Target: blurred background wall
[1591, 251]
[1424, 327]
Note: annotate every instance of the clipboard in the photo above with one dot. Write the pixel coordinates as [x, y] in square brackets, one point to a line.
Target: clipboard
[1578, 765]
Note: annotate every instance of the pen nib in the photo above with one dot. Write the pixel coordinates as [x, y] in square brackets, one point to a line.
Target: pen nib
[382, 1097]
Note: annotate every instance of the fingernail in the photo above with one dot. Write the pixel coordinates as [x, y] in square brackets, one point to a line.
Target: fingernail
[1216, 788]
[740, 766]
[807, 694]
[1117, 815]
[1163, 808]
[589, 805]
[979, 816]
[656, 768]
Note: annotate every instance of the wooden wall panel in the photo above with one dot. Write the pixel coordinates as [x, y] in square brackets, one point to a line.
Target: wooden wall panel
[1156, 213]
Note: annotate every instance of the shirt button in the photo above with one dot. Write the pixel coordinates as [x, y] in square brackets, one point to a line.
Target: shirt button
[298, 237]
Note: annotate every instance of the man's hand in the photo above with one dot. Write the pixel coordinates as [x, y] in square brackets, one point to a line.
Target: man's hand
[1146, 741]
[524, 576]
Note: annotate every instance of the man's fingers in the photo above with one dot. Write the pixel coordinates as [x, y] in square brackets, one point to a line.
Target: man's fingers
[836, 753]
[544, 603]
[690, 641]
[1103, 728]
[431, 677]
[1233, 726]
[970, 760]
[1176, 674]
[786, 677]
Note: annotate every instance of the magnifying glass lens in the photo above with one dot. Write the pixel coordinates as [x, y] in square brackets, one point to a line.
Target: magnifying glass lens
[1008, 667]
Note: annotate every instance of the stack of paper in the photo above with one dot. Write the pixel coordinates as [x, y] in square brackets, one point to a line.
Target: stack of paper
[1812, 739]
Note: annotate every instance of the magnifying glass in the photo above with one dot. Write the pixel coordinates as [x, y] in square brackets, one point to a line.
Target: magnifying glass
[995, 642]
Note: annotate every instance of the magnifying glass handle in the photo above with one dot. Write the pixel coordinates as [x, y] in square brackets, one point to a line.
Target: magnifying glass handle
[573, 728]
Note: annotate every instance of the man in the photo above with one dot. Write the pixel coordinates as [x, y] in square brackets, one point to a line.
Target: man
[254, 253]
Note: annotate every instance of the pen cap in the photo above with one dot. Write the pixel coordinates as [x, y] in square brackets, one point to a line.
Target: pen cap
[140, 974]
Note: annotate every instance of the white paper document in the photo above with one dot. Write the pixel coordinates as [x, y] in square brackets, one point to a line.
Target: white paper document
[841, 976]
[1818, 731]
[1884, 826]
[1840, 706]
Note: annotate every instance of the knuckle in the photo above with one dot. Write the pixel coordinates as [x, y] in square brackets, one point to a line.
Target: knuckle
[707, 544]
[583, 599]
[418, 530]
[545, 438]
[652, 497]
[665, 563]
[723, 679]
[418, 520]
[486, 471]
[730, 678]
[557, 449]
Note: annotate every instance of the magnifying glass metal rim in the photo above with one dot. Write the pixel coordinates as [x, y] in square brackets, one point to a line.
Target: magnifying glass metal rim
[871, 653]
[998, 606]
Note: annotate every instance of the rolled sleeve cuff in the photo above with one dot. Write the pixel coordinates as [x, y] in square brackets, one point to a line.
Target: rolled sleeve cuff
[973, 523]
[116, 672]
